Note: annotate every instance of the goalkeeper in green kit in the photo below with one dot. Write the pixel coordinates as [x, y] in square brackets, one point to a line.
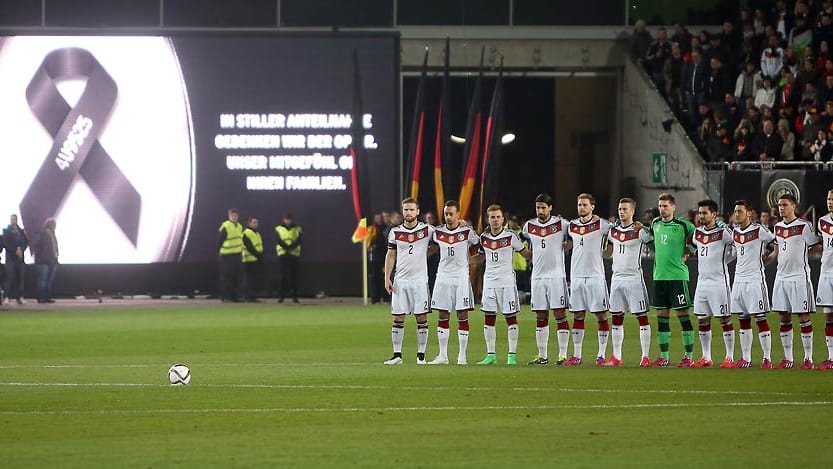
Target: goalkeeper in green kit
[672, 237]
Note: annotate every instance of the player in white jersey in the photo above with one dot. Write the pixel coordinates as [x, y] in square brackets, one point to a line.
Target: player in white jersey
[500, 291]
[627, 285]
[792, 292]
[750, 296]
[408, 251]
[452, 289]
[824, 292]
[588, 287]
[713, 240]
[546, 234]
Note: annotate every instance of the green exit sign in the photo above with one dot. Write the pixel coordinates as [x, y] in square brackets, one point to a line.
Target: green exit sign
[660, 168]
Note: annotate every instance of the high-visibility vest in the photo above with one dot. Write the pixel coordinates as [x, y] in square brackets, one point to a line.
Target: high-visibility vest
[288, 236]
[518, 261]
[234, 238]
[257, 242]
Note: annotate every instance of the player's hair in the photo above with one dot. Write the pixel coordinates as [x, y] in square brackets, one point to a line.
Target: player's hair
[585, 195]
[251, 218]
[494, 208]
[743, 204]
[667, 197]
[230, 211]
[544, 199]
[452, 203]
[789, 197]
[410, 200]
[628, 200]
[710, 204]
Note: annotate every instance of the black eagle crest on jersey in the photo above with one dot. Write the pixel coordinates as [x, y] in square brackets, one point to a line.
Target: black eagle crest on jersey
[623, 235]
[410, 237]
[585, 229]
[785, 233]
[494, 243]
[544, 231]
[706, 238]
[452, 238]
[744, 238]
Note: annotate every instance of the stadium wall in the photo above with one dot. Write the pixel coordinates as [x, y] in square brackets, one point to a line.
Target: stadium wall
[643, 134]
[200, 278]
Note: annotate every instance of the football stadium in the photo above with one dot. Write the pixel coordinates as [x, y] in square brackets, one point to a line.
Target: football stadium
[378, 233]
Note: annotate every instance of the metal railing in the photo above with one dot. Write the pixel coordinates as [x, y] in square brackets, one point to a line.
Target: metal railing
[619, 13]
[768, 165]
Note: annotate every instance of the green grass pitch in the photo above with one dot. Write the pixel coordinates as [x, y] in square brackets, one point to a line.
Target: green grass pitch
[304, 386]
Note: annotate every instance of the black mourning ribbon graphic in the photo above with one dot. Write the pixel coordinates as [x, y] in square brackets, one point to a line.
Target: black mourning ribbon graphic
[75, 148]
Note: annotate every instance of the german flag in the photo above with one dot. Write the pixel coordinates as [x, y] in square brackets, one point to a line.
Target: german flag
[443, 169]
[490, 176]
[359, 176]
[361, 231]
[414, 167]
[471, 152]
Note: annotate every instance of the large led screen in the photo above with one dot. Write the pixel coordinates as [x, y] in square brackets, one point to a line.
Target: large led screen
[139, 145]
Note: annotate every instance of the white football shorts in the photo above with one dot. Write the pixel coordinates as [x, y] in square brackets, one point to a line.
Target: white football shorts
[549, 293]
[504, 299]
[628, 294]
[750, 298]
[452, 294]
[588, 294]
[711, 299]
[409, 297]
[793, 296]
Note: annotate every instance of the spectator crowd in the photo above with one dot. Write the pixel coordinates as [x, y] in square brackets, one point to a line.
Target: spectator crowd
[759, 90]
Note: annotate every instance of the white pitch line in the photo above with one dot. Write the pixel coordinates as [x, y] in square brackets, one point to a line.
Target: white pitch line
[202, 365]
[422, 388]
[409, 409]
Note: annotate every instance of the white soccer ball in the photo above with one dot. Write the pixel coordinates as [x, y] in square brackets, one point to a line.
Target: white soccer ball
[179, 375]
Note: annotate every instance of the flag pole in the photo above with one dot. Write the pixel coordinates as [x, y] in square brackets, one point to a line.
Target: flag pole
[364, 271]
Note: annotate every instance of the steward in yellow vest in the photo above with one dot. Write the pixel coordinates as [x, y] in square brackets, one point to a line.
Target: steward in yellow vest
[289, 238]
[252, 242]
[289, 253]
[519, 262]
[230, 245]
[252, 254]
